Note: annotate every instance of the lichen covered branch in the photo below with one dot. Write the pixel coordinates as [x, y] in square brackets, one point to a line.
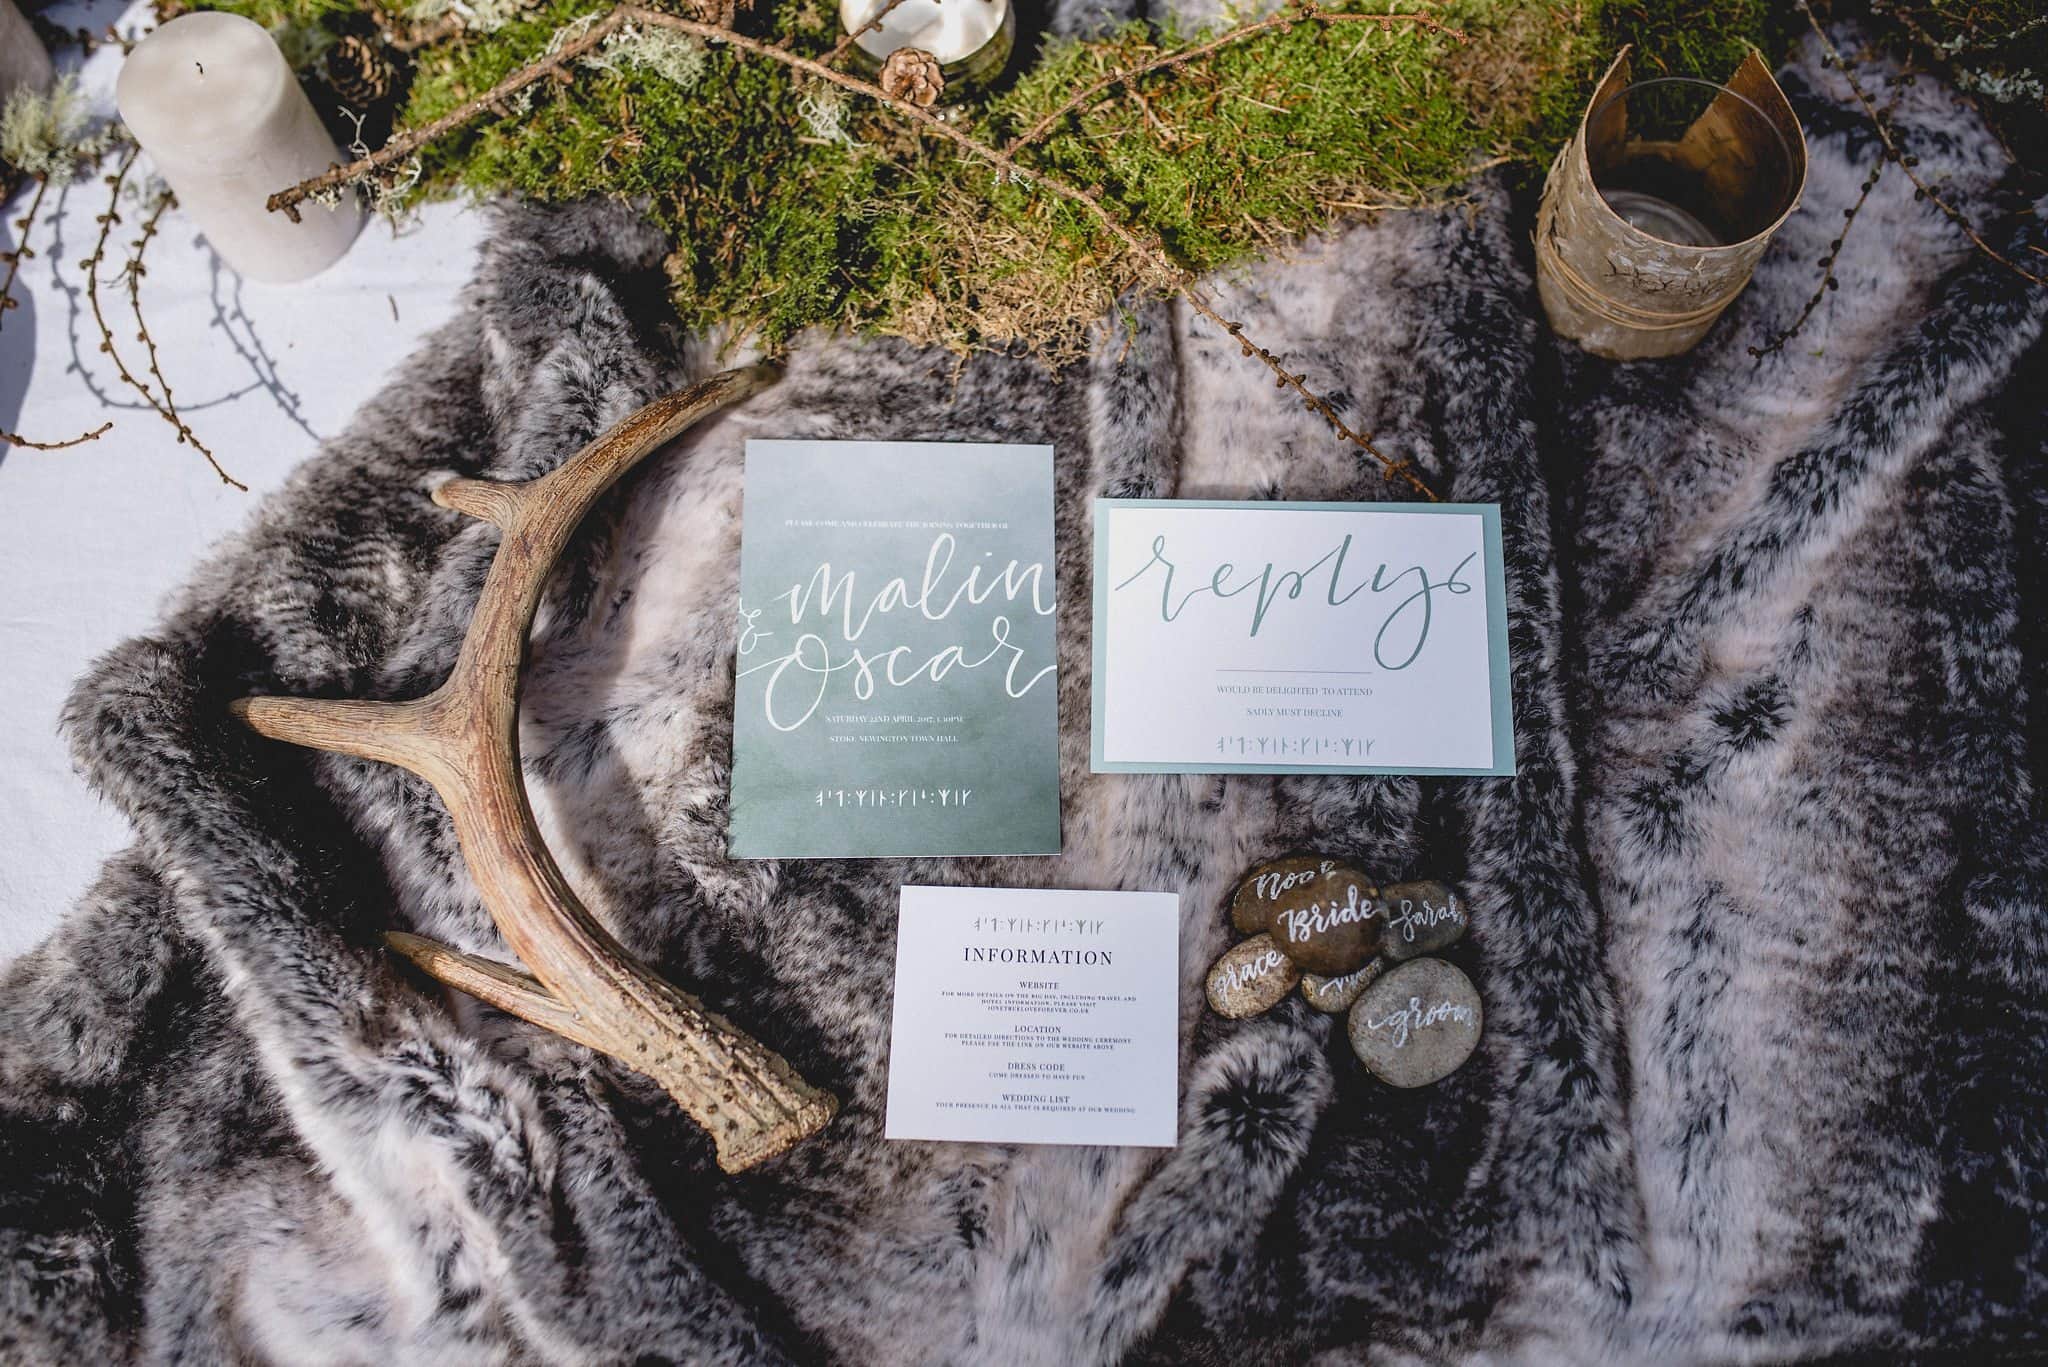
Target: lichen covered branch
[1904, 160]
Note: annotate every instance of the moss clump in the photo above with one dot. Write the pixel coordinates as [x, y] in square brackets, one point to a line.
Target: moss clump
[792, 205]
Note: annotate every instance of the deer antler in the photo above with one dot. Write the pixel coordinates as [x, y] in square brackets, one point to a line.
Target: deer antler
[464, 739]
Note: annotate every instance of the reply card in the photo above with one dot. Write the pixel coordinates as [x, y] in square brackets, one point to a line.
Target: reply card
[895, 691]
[1036, 1017]
[1347, 638]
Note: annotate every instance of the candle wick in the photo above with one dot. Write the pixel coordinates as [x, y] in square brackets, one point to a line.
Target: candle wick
[202, 69]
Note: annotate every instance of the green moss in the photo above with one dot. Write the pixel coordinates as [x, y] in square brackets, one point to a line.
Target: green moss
[777, 228]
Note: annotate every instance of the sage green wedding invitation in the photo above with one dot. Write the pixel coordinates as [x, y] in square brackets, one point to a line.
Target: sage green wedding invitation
[894, 686]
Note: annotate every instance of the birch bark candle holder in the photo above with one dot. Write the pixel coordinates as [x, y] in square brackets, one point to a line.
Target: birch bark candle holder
[1660, 206]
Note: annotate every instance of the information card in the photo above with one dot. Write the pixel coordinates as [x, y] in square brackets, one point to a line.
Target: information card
[1036, 1017]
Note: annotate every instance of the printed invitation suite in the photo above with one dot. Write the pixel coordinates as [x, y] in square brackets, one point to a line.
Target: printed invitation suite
[894, 690]
[1036, 1017]
[1265, 638]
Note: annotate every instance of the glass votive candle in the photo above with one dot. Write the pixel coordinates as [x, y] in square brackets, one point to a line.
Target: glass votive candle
[970, 38]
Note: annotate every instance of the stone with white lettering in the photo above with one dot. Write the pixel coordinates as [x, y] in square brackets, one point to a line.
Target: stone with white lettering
[1422, 918]
[1335, 995]
[1333, 931]
[1251, 978]
[1417, 1024]
[1281, 884]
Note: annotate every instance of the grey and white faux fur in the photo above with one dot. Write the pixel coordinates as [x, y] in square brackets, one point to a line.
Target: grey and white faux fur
[1761, 924]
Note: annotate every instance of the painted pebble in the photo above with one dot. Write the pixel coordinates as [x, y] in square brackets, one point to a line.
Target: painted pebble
[1422, 918]
[1334, 929]
[1250, 978]
[1282, 884]
[1417, 1024]
[1336, 994]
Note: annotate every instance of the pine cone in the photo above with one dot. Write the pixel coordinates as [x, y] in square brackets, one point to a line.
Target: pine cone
[913, 74]
[359, 72]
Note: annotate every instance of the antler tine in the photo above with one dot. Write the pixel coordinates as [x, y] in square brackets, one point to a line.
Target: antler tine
[390, 732]
[514, 993]
[484, 499]
[464, 739]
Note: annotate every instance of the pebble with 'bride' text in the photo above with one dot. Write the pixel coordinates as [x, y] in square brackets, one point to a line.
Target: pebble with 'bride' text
[1288, 884]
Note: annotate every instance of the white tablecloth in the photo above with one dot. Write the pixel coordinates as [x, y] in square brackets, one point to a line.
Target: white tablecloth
[93, 538]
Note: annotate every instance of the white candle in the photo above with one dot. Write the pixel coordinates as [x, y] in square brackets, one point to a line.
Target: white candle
[212, 101]
[23, 60]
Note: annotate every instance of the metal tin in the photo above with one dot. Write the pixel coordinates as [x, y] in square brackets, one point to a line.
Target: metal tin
[1633, 273]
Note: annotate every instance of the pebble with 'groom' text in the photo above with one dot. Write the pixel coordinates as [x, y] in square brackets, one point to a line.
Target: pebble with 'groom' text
[1417, 1024]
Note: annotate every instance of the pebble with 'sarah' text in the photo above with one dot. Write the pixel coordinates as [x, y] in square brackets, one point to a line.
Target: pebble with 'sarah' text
[1417, 1024]
[1284, 884]
[1336, 994]
[1422, 918]
[1251, 978]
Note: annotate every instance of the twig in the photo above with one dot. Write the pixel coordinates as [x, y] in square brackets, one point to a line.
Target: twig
[1827, 267]
[418, 36]
[1307, 11]
[91, 267]
[1906, 163]
[21, 251]
[16, 439]
[405, 144]
[1827, 263]
[136, 271]
[1182, 281]
[56, 36]
[839, 49]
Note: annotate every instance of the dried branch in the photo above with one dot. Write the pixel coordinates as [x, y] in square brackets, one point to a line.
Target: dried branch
[415, 37]
[22, 251]
[56, 36]
[1281, 20]
[135, 273]
[1827, 267]
[1904, 161]
[16, 439]
[880, 17]
[1166, 269]
[1834, 252]
[91, 267]
[403, 145]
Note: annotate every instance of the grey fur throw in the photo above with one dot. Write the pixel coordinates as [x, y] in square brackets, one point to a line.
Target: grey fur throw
[1761, 925]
